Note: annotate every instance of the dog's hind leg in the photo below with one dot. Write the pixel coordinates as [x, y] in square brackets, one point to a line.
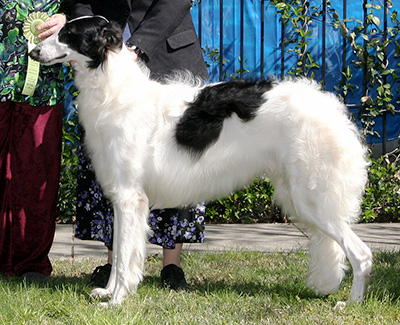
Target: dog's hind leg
[327, 259]
[328, 249]
[327, 263]
[360, 258]
[331, 240]
[129, 247]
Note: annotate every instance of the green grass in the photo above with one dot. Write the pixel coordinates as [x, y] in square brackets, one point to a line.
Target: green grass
[237, 287]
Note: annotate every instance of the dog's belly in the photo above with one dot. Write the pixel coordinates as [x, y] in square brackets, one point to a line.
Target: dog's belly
[191, 191]
[241, 153]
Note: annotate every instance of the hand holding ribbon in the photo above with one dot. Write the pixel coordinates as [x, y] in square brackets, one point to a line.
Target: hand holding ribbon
[51, 26]
[37, 26]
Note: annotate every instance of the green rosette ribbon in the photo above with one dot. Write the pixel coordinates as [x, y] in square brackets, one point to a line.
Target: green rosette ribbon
[31, 35]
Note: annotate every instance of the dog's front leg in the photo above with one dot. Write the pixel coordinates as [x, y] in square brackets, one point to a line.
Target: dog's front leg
[108, 290]
[129, 247]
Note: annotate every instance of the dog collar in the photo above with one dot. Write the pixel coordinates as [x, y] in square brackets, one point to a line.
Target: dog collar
[141, 55]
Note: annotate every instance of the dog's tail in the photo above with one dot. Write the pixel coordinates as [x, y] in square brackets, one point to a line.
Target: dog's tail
[327, 263]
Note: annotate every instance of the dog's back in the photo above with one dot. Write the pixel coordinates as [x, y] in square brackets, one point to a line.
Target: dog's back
[296, 128]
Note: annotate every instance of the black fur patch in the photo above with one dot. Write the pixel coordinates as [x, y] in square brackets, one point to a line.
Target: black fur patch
[92, 37]
[201, 124]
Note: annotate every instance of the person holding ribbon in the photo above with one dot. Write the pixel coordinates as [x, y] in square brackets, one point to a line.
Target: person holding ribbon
[31, 109]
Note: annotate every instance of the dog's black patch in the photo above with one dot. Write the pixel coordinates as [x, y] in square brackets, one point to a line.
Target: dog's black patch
[201, 124]
[92, 37]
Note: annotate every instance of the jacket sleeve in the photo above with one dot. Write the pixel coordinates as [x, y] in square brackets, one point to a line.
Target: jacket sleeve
[160, 21]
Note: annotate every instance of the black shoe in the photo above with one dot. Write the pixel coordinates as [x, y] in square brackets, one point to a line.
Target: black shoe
[100, 276]
[173, 277]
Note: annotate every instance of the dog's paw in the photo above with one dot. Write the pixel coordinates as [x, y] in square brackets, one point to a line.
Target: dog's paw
[101, 293]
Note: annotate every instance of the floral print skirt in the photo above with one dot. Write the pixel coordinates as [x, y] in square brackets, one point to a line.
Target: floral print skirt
[94, 215]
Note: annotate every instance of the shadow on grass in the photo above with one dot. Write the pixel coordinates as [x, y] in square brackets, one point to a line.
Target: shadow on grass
[55, 283]
[82, 280]
[247, 288]
[384, 283]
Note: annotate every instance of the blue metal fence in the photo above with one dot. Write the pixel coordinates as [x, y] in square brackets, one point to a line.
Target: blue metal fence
[245, 38]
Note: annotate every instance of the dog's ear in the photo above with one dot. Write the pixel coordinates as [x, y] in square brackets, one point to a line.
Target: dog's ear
[112, 34]
[108, 38]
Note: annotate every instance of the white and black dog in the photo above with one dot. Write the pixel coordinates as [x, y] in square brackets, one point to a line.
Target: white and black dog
[165, 145]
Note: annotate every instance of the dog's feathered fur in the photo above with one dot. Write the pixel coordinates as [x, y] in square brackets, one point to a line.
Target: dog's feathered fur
[165, 145]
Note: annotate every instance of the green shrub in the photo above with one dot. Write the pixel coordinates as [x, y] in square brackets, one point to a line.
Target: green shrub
[251, 205]
[381, 201]
[69, 172]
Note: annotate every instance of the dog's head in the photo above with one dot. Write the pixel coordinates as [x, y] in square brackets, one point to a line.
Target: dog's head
[86, 40]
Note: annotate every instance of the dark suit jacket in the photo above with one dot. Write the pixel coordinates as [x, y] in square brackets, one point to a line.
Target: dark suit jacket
[163, 29]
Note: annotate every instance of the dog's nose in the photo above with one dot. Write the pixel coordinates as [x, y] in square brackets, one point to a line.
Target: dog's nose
[35, 53]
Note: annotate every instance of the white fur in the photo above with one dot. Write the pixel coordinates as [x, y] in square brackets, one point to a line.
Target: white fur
[301, 138]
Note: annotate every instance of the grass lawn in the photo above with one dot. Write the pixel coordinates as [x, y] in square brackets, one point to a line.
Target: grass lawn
[236, 287]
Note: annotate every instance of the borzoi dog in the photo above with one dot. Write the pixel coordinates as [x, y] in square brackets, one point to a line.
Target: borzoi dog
[165, 145]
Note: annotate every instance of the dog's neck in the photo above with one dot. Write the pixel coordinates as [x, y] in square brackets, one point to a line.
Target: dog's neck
[118, 67]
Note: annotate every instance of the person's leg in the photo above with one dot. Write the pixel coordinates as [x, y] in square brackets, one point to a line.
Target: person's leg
[172, 256]
[171, 228]
[35, 160]
[172, 275]
[5, 188]
[162, 222]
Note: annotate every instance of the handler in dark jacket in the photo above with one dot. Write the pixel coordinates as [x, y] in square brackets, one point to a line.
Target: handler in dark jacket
[162, 33]
[162, 29]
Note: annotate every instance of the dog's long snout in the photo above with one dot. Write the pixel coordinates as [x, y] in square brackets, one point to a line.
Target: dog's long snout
[35, 53]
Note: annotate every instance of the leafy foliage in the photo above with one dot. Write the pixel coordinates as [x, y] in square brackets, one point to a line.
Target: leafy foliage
[69, 159]
[297, 16]
[69, 172]
[381, 201]
[251, 205]
[370, 43]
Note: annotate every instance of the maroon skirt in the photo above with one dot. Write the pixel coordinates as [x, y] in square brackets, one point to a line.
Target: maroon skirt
[30, 158]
